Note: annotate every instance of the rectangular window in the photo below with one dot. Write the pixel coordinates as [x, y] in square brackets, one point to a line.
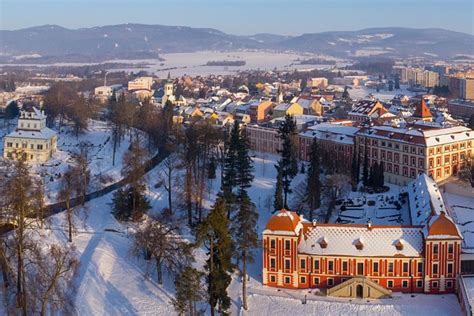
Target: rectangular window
[420, 267]
[435, 268]
[9, 144]
[435, 284]
[419, 283]
[272, 279]
[330, 282]
[405, 267]
[450, 248]
[376, 267]
[287, 264]
[40, 147]
[316, 264]
[330, 265]
[272, 244]
[435, 249]
[390, 267]
[302, 280]
[316, 281]
[450, 268]
[287, 245]
[405, 283]
[449, 284]
[303, 264]
[390, 283]
[287, 280]
[344, 266]
[272, 263]
[360, 268]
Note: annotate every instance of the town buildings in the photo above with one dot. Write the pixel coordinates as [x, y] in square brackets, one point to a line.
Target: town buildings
[366, 110]
[32, 138]
[140, 83]
[461, 108]
[416, 76]
[369, 260]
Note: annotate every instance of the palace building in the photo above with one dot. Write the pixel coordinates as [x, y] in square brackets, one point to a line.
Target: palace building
[357, 260]
[31, 138]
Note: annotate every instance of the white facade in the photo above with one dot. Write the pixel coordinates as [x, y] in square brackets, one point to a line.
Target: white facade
[31, 138]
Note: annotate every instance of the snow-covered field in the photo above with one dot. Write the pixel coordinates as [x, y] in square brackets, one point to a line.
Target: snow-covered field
[192, 64]
[383, 95]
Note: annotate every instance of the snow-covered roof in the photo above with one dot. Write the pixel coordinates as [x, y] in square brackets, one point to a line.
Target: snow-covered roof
[334, 132]
[468, 285]
[45, 133]
[425, 199]
[375, 241]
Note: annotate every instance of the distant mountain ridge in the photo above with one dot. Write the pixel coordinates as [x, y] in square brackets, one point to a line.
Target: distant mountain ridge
[137, 41]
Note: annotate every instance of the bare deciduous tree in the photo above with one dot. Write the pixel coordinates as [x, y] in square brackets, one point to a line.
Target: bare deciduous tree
[162, 243]
[52, 276]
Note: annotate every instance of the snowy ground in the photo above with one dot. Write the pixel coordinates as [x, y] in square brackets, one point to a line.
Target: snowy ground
[403, 305]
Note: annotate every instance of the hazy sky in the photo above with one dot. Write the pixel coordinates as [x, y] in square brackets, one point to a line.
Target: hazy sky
[243, 16]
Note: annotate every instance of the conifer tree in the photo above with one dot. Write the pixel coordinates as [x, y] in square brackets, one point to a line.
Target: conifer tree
[211, 168]
[380, 176]
[246, 238]
[278, 199]
[230, 160]
[244, 164]
[214, 233]
[188, 291]
[313, 189]
[288, 163]
[365, 168]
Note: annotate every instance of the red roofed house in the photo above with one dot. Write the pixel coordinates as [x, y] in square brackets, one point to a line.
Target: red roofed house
[357, 260]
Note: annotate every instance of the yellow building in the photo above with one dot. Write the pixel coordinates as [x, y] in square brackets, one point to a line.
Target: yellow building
[31, 138]
[285, 108]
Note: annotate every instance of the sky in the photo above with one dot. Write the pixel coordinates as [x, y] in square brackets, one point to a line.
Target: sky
[243, 17]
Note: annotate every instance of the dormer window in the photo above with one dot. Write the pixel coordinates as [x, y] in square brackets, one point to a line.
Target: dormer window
[323, 243]
[399, 245]
[359, 244]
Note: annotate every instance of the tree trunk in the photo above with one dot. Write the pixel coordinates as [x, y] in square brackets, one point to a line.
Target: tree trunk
[159, 276]
[244, 280]
[211, 268]
[169, 191]
[21, 295]
[69, 219]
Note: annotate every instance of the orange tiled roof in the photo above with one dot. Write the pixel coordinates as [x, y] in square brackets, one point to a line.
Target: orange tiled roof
[284, 220]
[422, 110]
[443, 226]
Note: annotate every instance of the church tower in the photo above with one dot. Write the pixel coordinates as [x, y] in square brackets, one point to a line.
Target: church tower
[422, 112]
[279, 97]
[168, 90]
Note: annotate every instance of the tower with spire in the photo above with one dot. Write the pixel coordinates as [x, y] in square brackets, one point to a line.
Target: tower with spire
[422, 112]
[168, 90]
